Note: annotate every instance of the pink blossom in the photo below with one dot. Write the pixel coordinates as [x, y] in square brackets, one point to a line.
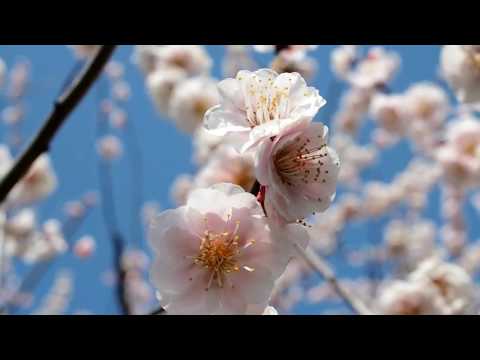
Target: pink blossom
[216, 257]
[84, 247]
[261, 104]
[299, 171]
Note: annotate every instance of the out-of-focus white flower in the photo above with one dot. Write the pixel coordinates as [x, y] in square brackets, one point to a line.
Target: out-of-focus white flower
[190, 100]
[460, 66]
[12, 115]
[452, 283]
[121, 90]
[74, 209]
[342, 59]
[109, 147]
[84, 247]
[237, 58]
[115, 70]
[426, 107]
[354, 104]
[411, 243]
[376, 69]
[149, 211]
[45, 244]
[118, 118]
[299, 172]
[459, 157]
[19, 79]
[217, 254]
[470, 259]
[389, 112]
[160, 85]
[261, 104]
[84, 51]
[204, 144]
[134, 260]
[410, 298]
[38, 183]
[227, 166]
[18, 232]
[138, 292]
[193, 59]
[180, 189]
[305, 66]
[58, 298]
[146, 57]
[354, 158]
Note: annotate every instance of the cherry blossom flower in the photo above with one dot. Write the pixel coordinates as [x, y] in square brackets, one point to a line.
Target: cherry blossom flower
[59, 296]
[452, 283]
[12, 115]
[193, 59]
[376, 69]
[180, 189]
[160, 85]
[261, 104]
[388, 111]
[299, 172]
[84, 247]
[190, 100]
[305, 66]
[410, 298]
[342, 59]
[237, 58]
[460, 66]
[459, 156]
[410, 243]
[39, 182]
[146, 57]
[109, 147]
[227, 165]
[426, 106]
[217, 257]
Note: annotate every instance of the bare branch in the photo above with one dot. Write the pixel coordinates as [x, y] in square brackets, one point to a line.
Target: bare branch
[322, 267]
[63, 106]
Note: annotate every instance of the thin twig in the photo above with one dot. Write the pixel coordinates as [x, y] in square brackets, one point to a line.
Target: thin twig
[63, 106]
[322, 267]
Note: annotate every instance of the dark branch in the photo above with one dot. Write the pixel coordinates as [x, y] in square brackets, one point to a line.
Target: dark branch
[63, 106]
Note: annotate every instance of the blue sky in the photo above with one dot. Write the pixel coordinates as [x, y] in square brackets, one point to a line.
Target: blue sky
[166, 152]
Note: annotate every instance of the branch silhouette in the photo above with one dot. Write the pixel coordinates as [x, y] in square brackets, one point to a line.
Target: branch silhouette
[62, 108]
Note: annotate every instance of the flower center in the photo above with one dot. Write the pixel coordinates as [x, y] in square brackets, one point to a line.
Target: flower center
[442, 285]
[180, 60]
[301, 162]
[200, 107]
[471, 149]
[218, 253]
[425, 110]
[265, 102]
[410, 307]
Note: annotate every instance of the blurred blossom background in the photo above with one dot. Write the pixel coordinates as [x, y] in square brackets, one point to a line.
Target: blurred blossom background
[146, 153]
